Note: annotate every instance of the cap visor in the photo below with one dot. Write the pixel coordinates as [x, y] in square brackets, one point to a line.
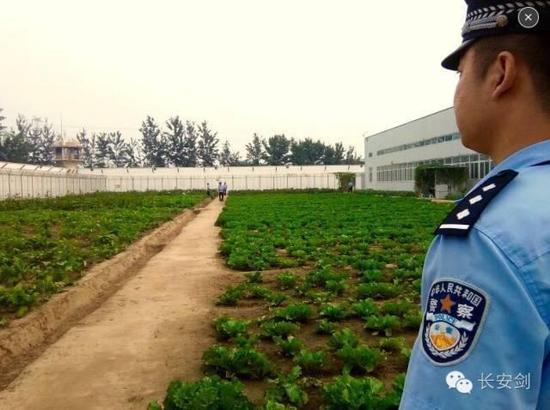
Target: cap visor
[453, 60]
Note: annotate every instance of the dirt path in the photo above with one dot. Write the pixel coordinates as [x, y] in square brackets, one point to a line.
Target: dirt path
[154, 329]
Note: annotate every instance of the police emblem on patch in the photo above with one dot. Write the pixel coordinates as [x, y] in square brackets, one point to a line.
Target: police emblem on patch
[452, 322]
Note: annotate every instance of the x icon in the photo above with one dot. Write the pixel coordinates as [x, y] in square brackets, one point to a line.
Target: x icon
[528, 17]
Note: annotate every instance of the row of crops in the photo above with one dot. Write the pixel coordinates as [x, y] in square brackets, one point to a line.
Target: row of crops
[46, 244]
[328, 309]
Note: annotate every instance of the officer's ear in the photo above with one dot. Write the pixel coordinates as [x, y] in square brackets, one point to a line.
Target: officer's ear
[503, 74]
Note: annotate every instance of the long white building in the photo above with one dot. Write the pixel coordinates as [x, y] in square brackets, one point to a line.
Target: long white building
[391, 156]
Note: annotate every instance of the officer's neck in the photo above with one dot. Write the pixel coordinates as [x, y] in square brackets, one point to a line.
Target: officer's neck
[518, 132]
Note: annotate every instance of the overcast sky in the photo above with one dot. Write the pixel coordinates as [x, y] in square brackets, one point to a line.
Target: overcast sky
[329, 70]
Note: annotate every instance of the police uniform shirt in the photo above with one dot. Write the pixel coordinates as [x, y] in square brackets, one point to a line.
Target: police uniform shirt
[484, 342]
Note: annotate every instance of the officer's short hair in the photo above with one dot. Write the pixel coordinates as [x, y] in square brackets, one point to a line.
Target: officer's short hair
[532, 49]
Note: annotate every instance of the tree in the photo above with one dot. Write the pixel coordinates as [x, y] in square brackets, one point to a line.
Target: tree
[175, 142]
[135, 154]
[208, 141]
[14, 148]
[339, 152]
[2, 118]
[45, 152]
[33, 135]
[102, 153]
[276, 150]
[40, 137]
[153, 145]
[118, 151]
[228, 158]
[191, 155]
[329, 155]
[351, 157]
[88, 149]
[254, 151]
[307, 152]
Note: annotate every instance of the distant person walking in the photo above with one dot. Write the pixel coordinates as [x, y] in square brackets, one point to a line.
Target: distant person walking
[350, 186]
[208, 192]
[225, 189]
[220, 191]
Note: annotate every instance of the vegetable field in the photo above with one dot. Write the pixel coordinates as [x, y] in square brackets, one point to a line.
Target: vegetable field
[46, 244]
[328, 306]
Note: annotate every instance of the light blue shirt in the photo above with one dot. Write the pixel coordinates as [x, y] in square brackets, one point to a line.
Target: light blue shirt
[505, 350]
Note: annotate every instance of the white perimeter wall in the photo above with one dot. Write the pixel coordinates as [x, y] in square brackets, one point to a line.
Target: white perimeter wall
[18, 180]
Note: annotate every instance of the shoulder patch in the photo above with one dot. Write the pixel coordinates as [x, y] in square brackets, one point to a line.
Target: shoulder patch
[464, 216]
[453, 320]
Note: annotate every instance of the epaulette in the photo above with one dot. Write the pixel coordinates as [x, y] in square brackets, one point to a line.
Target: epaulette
[464, 216]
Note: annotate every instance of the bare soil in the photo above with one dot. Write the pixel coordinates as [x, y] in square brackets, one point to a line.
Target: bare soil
[124, 354]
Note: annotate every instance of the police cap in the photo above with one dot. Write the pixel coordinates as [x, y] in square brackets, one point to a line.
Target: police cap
[492, 18]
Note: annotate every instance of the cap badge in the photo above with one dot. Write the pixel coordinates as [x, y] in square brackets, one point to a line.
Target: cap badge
[502, 20]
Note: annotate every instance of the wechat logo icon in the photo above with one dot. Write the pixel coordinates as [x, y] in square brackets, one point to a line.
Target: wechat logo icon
[457, 380]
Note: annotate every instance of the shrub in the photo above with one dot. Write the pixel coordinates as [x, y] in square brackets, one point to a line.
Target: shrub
[397, 309]
[393, 398]
[286, 389]
[228, 328]
[318, 297]
[360, 358]
[344, 337]
[286, 280]
[325, 327]
[392, 344]
[338, 287]
[297, 312]
[271, 404]
[349, 393]
[412, 320]
[242, 362]
[365, 308]
[210, 393]
[273, 328]
[289, 346]
[311, 362]
[254, 277]
[276, 298]
[231, 296]
[386, 323]
[322, 275]
[257, 292]
[374, 275]
[333, 312]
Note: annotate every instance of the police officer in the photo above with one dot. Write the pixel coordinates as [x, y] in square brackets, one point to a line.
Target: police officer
[484, 342]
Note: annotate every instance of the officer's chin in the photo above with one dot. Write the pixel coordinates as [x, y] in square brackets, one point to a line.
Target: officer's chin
[475, 143]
